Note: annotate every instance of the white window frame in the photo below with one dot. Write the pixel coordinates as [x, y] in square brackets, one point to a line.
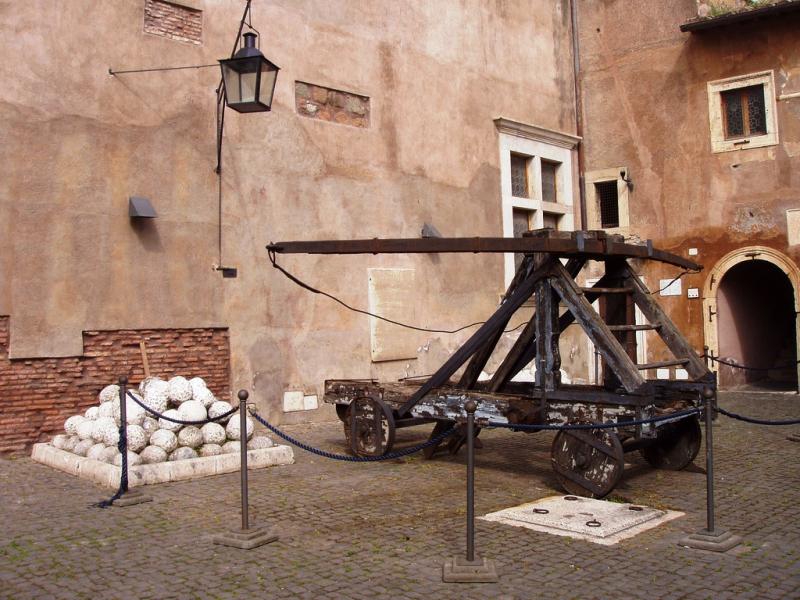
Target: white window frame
[715, 88]
[593, 216]
[537, 144]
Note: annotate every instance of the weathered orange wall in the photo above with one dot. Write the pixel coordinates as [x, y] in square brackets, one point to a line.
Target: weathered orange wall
[646, 108]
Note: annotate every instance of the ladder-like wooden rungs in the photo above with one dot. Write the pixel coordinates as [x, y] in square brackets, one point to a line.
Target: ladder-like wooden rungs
[645, 327]
[606, 290]
[663, 363]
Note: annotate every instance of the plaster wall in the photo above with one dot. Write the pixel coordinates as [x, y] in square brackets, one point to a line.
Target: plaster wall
[644, 93]
[77, 142]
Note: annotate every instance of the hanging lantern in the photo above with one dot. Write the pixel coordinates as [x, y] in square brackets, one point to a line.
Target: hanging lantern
[249, 78]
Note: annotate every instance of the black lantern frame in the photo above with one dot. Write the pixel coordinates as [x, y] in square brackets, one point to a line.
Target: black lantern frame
[249, 78]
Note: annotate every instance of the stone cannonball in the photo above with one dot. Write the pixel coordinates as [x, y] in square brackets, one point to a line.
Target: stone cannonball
[85, 429]
[155, 399]
[233, 428]
[137, 438]
[180, 390]
[197, 383]
[108, 454]
[111, 437]
[190, 437]
[102, 426]
[260, 441]
[153, 454]
[133, 459]
[192, 410]
[109, 393]
[106, 409]
[92, 413]
[213, 433]
[170, 425]
[70, 443]
[71, 424]
[204, 396]
[82, 447]
[153, 384]
[134, 414]
[183, 453]
[231, 447]
[95, 451]
[164, 439]
[150, 425]
[220, 407]
[209, 450]
[58, 441]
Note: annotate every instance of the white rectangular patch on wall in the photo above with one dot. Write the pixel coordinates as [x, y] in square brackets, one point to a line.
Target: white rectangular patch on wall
[662, 373]
[392, 294]
[669, 287]
[793, 226]
[681, 374]
[292, 401]
[310, 402]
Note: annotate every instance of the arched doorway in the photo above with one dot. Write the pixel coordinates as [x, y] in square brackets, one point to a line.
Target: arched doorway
[750, 306]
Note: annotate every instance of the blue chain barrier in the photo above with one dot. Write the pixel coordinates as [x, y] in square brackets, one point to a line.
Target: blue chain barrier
[738, 417]
[346, 457]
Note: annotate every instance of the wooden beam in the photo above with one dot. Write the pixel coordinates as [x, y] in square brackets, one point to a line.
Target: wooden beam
[597, 331]
[497, 320]
[669, 333]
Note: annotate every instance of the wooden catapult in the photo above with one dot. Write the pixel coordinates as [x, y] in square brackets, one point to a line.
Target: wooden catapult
[586, 462]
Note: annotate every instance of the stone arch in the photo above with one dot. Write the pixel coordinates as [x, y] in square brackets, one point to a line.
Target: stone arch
[715, 276]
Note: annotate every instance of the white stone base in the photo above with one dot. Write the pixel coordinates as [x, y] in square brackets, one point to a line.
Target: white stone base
[178, 470]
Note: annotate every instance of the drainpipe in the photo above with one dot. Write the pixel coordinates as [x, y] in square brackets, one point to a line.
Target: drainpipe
[576, 70]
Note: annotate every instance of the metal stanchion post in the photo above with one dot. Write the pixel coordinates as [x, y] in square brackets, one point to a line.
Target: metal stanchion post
[127, 497]
[247, 537]
[710, 538]
[470, 570]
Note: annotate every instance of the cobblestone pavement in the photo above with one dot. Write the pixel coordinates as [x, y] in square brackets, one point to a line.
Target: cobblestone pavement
[383, 530]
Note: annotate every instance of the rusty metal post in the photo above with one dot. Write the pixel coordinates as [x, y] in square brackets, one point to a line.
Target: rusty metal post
[126, 496]
[470, 570]
[243, 395]
[710, 538]
[247, 537]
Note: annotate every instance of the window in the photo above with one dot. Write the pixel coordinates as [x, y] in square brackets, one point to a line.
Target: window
[519, 176]
[607, 195]
[536, 181]
[608, 200]
[742, 112]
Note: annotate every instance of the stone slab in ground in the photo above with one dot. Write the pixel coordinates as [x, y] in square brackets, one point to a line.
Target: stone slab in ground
[176, 470]
[597, 521]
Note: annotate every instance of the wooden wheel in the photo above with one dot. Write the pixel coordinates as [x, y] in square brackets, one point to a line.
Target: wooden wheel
[587, 462]
[676, 446]
[369, 428]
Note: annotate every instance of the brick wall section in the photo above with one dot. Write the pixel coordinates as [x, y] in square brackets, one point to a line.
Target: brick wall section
[318, 102]
[37, 395]
[173, 21]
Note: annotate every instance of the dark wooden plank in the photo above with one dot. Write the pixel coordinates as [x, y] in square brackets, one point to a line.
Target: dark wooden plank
[645, 327]
[606, 290]
[597, 331]
[548, 359]
[598, 249]
[663, 363]
[669, 333]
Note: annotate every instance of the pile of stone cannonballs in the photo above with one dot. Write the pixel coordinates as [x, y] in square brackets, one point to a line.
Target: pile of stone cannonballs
[95, 434]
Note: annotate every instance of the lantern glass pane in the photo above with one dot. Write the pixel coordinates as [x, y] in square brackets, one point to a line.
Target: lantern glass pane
[268, 76]
[248, 86]
[231, 77]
